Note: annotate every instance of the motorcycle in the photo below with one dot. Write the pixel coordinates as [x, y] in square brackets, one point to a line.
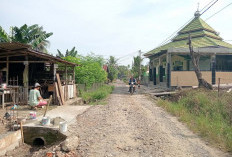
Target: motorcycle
[132, 88]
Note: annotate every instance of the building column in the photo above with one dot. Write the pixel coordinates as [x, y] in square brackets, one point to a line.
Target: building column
[213, 68]
[168, 66]
[150, 71]
[154, 76]
[55, 66]
[159, 70]
[25, 80]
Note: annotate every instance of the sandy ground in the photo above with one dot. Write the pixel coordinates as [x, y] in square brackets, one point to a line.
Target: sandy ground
[129, 126]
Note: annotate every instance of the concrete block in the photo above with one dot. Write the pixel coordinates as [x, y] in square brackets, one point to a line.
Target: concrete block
[9, 141]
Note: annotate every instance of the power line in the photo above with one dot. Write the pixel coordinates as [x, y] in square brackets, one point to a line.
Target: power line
[126, 55]
[206, 5]
[218, 12]
[171, 36]
[209, 7]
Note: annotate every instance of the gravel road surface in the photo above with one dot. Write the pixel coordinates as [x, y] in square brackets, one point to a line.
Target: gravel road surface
[133, 126]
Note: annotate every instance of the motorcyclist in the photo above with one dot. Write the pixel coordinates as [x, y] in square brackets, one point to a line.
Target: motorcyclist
[130, 81]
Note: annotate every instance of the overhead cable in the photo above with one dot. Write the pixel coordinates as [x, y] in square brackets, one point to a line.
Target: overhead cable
[209, 7]
[218, 11]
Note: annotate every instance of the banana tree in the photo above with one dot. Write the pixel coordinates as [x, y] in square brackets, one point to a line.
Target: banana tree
[72, 53]
[32, 35]
[4, 37]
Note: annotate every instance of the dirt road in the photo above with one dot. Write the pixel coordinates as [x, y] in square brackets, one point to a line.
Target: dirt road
[128, 126]
[134, 126]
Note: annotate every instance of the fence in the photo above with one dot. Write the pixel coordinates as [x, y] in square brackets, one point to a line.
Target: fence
[84, 87]
[222, 86]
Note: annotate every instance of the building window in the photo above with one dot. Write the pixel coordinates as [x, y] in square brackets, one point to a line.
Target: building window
[178, 66]
[223, 63]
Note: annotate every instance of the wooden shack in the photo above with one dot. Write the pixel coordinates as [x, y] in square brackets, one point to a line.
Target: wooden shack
[22, 67]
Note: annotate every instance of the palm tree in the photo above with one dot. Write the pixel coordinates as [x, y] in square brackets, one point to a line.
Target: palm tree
[72, 53]
[32, 35]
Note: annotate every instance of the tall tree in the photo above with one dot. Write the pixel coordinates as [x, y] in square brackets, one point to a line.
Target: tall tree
[136, 66]
[195, 60]
[123, 71]
[33, 35]
[72, 52]
[112, 67]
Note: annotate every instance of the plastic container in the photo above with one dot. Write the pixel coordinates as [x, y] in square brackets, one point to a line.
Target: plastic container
[45, 121]
[63, 127]
[32, 115]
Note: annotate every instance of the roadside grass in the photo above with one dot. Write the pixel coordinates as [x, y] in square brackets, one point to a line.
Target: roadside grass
[97, 96]
[205, 114]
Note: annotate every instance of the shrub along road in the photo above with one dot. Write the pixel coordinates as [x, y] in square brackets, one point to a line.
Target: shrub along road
[135, 126]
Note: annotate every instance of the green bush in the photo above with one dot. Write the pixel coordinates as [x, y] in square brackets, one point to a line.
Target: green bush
[90, 69]
[204, 113]
[98, 94]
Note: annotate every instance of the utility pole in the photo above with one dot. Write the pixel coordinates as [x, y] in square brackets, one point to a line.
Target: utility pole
[140, 52]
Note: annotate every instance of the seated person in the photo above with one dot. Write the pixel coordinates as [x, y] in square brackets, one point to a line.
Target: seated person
[35, 99]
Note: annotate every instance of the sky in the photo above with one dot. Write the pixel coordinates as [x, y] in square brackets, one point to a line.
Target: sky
[111, 27]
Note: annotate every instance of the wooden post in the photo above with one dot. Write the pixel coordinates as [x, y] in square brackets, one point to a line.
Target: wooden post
[25, 79]
[66, 75]
[3, 100]
[74, 74]
[74, 85]
[219, 79]
[55, 66]
[7, 70]
[21, 128]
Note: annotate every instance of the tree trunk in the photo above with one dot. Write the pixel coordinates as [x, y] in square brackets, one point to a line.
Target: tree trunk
[195, 60]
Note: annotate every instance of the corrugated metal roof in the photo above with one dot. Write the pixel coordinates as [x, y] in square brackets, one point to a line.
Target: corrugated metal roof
[14, 46]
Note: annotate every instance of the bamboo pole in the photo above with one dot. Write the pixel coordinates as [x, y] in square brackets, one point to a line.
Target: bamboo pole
[21, 128]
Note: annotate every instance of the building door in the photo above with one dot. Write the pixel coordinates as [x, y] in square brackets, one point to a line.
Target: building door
[154, 76]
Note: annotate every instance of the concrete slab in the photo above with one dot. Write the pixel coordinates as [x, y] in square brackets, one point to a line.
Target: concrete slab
[66, 112]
